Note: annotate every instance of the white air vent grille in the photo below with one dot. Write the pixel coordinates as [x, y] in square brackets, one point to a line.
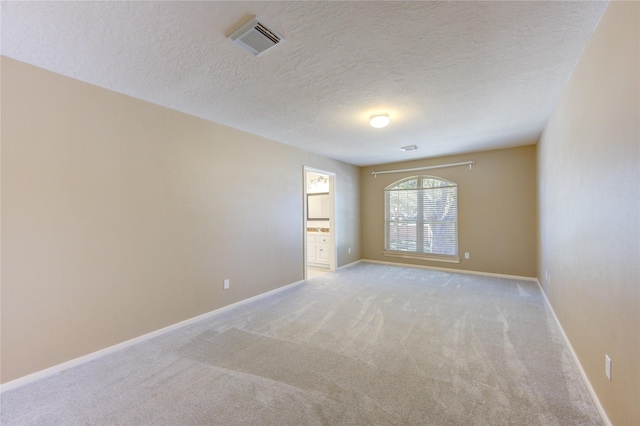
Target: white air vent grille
[255, 37]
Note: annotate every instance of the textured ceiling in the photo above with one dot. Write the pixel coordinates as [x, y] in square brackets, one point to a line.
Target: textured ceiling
[454, 76]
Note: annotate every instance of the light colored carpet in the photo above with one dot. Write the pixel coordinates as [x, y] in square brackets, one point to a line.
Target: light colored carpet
[370, 344]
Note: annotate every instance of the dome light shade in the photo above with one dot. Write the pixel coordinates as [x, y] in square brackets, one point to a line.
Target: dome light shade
[379, 120]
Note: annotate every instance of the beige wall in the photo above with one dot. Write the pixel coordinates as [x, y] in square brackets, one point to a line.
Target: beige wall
[589, 193]
[120, 217]
[496, 210]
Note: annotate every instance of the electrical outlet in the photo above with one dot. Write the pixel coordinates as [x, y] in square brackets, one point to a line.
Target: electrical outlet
[466, 255]
[349, 249]
[607, 366]
[226, 284]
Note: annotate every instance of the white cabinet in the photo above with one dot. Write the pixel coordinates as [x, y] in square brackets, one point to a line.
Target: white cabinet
[318, 249]
[311, 248]
[322, 250]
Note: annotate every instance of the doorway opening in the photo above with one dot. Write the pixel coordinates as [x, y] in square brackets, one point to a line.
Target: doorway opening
[319, 222]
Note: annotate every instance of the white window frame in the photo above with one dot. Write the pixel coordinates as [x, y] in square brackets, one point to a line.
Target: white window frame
[419, 221]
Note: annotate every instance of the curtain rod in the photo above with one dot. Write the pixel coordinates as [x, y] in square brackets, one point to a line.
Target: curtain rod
[470, 163]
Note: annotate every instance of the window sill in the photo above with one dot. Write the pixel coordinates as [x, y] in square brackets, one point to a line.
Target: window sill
[406, 255]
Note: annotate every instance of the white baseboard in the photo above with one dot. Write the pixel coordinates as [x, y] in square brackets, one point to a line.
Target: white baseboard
[30, 378]
[349, 265]
[458, 271]
[592, 391]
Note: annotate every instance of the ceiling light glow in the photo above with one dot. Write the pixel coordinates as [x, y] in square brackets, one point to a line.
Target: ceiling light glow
[379, 120]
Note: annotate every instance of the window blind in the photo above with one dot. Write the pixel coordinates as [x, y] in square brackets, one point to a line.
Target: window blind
[421, 216]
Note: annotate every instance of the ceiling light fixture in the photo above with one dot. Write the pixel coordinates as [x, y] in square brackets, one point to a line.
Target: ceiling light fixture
[409, 148]
[379, 120]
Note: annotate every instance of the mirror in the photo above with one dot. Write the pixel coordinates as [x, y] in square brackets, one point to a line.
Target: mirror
[318, 206]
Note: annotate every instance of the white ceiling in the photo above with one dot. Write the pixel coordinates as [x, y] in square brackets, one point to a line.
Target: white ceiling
[454, 76]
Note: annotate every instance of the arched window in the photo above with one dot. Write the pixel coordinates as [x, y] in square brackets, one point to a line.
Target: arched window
[421, 218]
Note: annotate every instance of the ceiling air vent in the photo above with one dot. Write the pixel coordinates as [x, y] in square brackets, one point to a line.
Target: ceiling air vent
[255, 37]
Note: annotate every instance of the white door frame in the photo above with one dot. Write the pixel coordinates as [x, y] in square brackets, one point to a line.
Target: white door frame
[333, 257]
